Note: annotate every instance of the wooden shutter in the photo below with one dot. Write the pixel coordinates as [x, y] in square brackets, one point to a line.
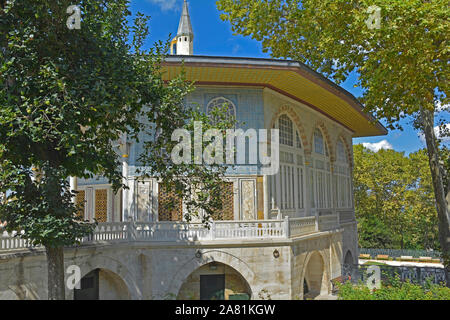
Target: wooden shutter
[170, 205]
[101, 205]
[227, 196]
[80, 201]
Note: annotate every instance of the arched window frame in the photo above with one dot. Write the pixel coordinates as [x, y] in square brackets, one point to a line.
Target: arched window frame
[343, 186]
[220, 101]
[321, 179]
[287, 188]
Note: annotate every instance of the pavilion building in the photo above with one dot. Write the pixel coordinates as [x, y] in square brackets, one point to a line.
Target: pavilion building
[281, 236]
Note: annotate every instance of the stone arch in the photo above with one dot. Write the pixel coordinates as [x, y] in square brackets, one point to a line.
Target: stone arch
[11, 294]
[234, 282]
[347, 149]
[316, 274]
[321, 126]
[110, 285]
[348, 259]
[207, 257]
[111, 267]
[349, 266]
[288, 110]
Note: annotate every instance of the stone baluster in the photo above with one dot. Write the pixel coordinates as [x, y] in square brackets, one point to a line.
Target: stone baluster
[286, 227]
[213, 230]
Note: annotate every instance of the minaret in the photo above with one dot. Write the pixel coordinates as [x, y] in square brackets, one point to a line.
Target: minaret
[185, 35]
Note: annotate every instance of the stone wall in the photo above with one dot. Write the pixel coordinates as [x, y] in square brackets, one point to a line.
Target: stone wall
[267, 270]
[326, 259]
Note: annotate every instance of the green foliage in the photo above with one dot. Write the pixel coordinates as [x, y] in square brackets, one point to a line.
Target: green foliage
[43, 213]
[394, 200]
[402, 65]
[395, 290]
[67, 97]
[372, 232]
[199, 185]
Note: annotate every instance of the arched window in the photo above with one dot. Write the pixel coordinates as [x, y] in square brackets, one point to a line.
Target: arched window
[320, 147]
[343, 185]
[220, 102]
[340, 151]
[318, 142]
[287, 187]
[320, 183]
[286, 131]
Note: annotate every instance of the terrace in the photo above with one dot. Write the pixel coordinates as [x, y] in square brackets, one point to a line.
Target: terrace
[178, 232]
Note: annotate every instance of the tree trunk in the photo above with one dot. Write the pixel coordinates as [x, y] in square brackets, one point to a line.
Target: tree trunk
[437, 174]
[55, 273]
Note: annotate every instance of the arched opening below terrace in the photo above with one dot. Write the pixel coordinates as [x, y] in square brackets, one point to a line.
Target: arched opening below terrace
[102, 284]
[215, 281]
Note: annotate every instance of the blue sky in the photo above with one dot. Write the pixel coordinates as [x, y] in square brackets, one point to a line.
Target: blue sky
[214, 37]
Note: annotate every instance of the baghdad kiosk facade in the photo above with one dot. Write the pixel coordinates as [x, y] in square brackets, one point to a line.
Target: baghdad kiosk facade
[280, 236]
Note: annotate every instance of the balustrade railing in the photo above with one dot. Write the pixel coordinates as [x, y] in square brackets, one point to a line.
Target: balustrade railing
[328, 222]
[109, 231]
[346, 216]
[170, 231]
[10, 241]
[302, 226]
[167, 231]
[248, 229]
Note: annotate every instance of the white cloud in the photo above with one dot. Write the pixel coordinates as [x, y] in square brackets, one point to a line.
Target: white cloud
[437, 132]
[441, 108]
[166, 4]
[377, 146]
[236, 49]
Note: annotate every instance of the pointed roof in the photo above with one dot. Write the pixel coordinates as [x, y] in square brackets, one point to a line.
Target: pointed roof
[185, 27]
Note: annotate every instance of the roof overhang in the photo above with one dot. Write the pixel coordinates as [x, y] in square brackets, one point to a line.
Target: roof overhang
[290, 78]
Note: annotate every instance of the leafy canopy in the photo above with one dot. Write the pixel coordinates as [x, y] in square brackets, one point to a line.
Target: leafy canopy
[402, 66]
[394, 200]
[67, 97]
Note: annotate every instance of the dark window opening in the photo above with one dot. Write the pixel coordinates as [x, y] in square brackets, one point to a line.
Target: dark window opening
[89, 287]
[212, 287]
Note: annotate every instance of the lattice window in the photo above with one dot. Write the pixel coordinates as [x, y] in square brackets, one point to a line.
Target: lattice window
[227, 196]
[170, 205]
[101, 205]
[81, 202]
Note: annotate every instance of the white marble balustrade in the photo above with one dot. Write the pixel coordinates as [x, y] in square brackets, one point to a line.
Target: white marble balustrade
[168, 231]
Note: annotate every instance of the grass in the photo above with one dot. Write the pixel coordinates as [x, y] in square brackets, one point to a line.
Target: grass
[374, 263]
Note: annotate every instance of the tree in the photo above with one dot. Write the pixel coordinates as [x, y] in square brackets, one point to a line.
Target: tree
[67, 96]
[401, 58]
[394, 200]
[198, 185]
